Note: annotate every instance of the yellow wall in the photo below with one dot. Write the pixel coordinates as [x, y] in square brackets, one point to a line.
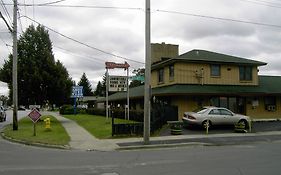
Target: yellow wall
[192, 73]
[188, 103]
[260, 112]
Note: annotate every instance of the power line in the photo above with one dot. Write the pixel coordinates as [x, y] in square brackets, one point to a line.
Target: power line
[219, 18]
[84, 44]
[54, 2]
[264, 3]
[9, 27]
[88, 57]
[79, 6]
[6, 13]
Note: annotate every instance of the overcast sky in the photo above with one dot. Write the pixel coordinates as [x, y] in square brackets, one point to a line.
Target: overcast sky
[117, 27]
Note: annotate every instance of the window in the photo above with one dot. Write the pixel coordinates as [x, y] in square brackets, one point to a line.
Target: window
[245, 73]
[270, 103]
[215, 70]
[214, 112]
[225, 112]
[171, 72]
[161, 75]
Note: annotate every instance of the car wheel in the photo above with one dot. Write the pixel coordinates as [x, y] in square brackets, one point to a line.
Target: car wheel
[244, 122]
[205, 124]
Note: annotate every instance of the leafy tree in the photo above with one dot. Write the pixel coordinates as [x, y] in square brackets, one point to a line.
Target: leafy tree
[99, 91]
[137, 72]
[41, 79]
[87, 90]
[4, 100]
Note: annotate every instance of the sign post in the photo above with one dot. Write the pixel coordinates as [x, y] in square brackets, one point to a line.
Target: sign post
[77, 91]
[120, 80]
[34, 115]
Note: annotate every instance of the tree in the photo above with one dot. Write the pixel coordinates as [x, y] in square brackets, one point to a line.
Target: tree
[99, 91]
[41, 79]
[87, 90]
[137, 72]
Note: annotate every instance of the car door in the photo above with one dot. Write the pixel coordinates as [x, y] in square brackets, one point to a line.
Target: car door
[214, 116]
[227, 117]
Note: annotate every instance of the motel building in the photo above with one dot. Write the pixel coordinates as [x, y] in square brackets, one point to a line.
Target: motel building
[204, 78]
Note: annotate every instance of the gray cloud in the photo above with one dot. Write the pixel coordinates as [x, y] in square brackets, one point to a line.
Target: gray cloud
[121, 32]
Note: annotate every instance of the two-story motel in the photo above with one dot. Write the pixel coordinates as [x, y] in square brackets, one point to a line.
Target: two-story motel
[203, 78]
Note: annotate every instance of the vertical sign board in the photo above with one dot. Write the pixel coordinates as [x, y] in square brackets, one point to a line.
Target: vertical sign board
[34, 115]
[117, 83]
[77, 92]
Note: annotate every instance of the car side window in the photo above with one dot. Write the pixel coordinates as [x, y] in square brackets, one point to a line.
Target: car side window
[214, 112]
[225, 112]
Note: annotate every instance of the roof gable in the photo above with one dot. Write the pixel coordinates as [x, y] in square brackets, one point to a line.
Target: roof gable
[204, 56]
[207, 56]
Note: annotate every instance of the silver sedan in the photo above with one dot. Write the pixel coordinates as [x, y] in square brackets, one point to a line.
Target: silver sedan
[214, 116]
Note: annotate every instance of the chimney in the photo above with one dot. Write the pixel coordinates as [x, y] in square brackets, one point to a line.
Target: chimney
[161, 52]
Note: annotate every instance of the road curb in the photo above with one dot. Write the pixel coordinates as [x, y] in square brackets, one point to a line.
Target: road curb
[66, 147]
[155, 146]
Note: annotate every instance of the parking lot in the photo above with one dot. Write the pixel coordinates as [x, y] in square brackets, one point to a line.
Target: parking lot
[260, 126]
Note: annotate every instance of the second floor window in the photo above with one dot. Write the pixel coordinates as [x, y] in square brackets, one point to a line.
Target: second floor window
[215, 70]
[171, 72]
[245, 73]
[161, 75]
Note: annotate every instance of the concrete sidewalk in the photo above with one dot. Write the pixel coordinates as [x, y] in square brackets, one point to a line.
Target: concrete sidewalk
[82, 139]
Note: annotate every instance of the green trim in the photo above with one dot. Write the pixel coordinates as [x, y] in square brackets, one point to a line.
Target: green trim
[268, 85]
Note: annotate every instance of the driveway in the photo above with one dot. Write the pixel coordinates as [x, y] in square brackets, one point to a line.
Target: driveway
[262, 126]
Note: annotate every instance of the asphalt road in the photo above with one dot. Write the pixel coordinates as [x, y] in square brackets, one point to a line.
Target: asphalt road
[253, 159]
[10, 117]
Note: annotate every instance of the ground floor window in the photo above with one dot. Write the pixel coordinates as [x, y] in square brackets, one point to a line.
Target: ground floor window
[270, 103]
[235, 104]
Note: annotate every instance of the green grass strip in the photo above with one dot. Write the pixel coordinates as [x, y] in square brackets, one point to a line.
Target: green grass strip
[54, 136]
[98, 126]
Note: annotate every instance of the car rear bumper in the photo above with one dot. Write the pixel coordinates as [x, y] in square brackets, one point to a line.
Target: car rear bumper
[188, 122]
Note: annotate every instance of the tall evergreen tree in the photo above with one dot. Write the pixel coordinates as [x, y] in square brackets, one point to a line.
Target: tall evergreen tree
[41, 79]
[99, 91]
[87, 90]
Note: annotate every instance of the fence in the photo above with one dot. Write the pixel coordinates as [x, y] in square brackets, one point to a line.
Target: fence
[159, 117]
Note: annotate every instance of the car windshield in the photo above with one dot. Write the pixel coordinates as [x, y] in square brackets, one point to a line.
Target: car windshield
[200, 110]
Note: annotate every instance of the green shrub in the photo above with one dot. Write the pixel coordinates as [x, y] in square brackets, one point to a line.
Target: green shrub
[66, 109]
[135, 115]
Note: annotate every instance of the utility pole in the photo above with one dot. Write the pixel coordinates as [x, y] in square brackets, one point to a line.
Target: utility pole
[15, 68]
[147, 86]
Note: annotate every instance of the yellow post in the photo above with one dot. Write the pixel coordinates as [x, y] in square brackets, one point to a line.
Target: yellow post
[250, 125]
[207, 127]
[47, 123]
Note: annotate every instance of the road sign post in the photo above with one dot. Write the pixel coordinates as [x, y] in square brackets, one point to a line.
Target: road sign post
[77, 91]
[34, 115]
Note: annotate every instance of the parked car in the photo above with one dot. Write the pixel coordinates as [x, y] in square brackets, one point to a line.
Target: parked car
[2, 114]
[215, 116]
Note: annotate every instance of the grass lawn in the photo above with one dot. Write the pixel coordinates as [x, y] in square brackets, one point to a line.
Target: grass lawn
[54, 136]
[98, 126]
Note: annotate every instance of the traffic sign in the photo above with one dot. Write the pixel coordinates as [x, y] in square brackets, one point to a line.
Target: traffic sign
[77, 91]
[34, 115]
